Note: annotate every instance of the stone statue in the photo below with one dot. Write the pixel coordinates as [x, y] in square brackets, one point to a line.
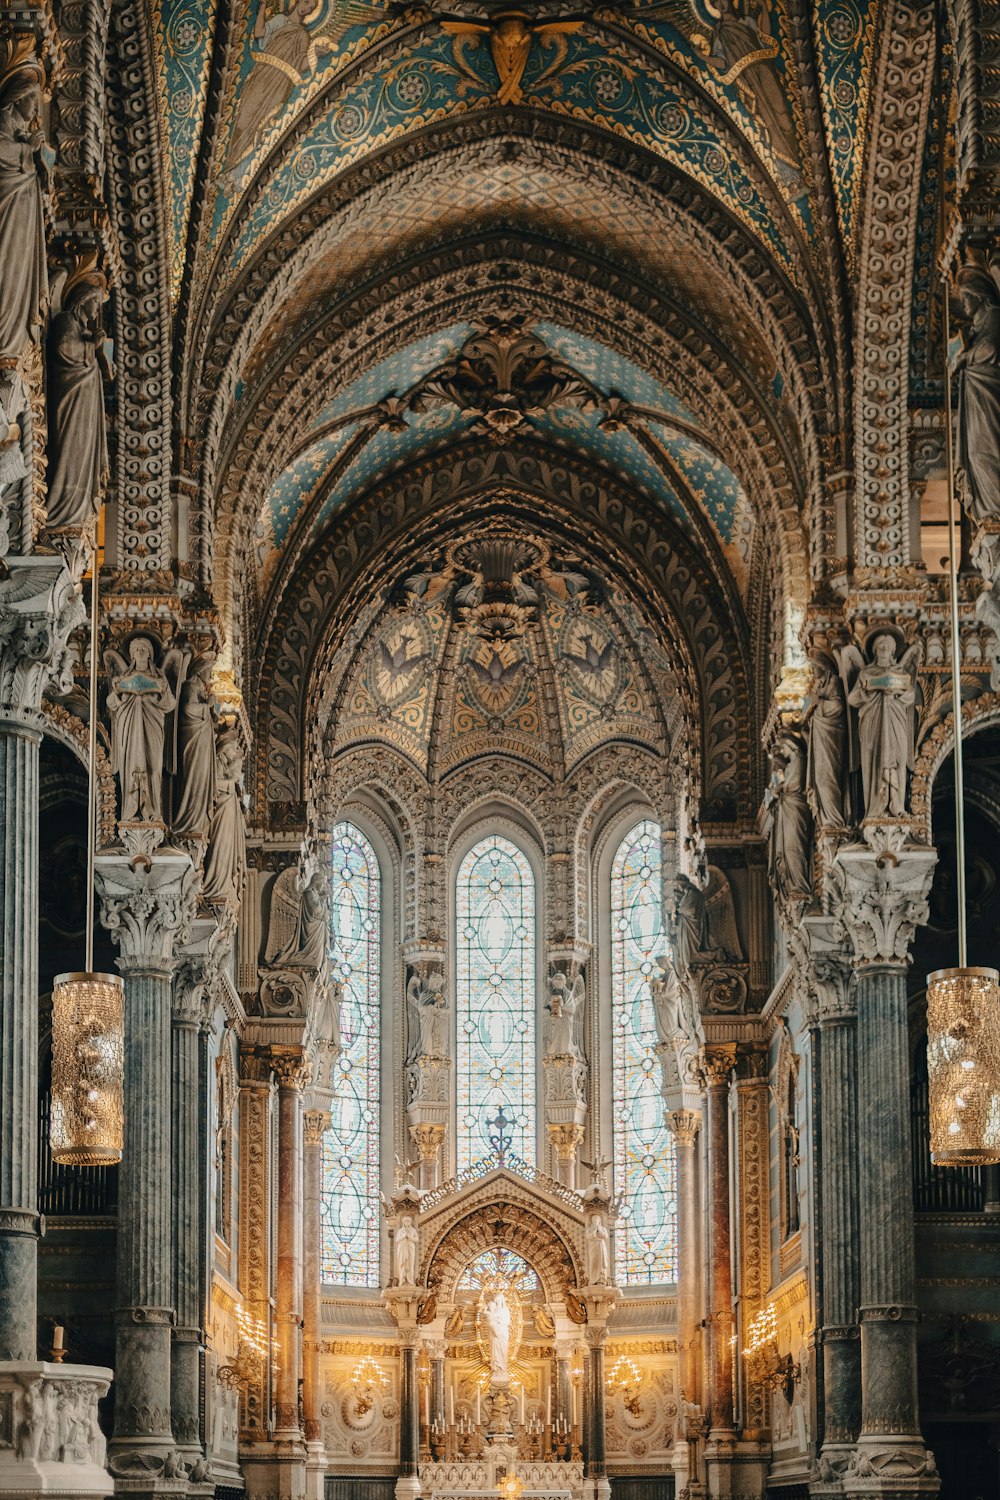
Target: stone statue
[298, 931]
[196, 731]
[978, 370]
[427, 1007]
[497, 1320]
[13, 406]
[827, 746]
[883, 692]
[564, 1006]
[226, 862]
[790, 849]
[139, 700]
[24, 285]
[407, 1251]
[691, 926]
[78, 444]
[29, 1432]
[598, 1247]
[663, 993]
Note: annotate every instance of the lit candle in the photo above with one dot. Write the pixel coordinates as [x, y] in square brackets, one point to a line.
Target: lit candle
[574, 1406]
[548, 1406]
[451, 1406]
[57, 1336]
[427, 1405]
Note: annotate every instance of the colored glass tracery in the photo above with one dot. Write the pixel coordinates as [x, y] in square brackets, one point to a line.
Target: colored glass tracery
[644, 1151]
[350, 1207]
[495, 981]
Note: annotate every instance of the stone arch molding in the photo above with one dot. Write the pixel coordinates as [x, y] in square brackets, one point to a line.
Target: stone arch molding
[505, 1213]
[304, 654]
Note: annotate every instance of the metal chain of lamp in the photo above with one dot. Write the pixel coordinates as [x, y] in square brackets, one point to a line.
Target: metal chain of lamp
[963, 1004]
[88, 1009]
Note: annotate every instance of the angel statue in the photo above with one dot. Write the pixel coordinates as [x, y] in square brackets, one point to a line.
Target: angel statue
[705, 923]
[297, 933]
[884, 694]
[978, 369]
[427, 1005]
[139, 699]
[565, 1006]
[13, 408]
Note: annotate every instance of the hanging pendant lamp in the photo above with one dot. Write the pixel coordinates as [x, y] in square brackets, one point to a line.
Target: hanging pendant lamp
[86, 1124]
[963, 1004]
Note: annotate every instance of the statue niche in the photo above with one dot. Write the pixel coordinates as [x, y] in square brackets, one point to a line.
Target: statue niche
[24, 287]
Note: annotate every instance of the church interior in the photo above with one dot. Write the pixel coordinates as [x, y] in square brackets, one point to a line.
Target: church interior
[499, 749]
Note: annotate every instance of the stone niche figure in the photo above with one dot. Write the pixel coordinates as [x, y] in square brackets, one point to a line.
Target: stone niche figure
[598, 1248]
[297, 934]
[790, 846]
[565, 1005]
[226, 861]
[13, 406]
[407, 1242]
[827, 762]
[883, 692]
[978, 371]
[139, 699]
[24, 281]
[196, 731]
[427, 1005]
[691, 925]
[497, 1320]
[78, 367]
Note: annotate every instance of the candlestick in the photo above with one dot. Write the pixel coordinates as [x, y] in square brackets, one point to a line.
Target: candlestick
[451, 1406]
[58, 1344]
[479, 1405]
[548, 1406]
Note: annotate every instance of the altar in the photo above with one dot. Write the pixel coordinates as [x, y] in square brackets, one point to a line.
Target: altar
[463, 1481]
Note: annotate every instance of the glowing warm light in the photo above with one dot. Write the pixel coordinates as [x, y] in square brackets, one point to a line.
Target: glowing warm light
[963, 1066]
[369, 1380]
[88, 1069]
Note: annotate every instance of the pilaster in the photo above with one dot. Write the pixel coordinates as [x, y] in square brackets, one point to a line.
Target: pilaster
[686, 1127]
[315, 1122]
[717, 1064]
[754, 1228]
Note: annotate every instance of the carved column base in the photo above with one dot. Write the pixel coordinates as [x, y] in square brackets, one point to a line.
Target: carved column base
[841, 1403]
[56, 1446]
[736, 1469]
[316, 1466]
[185, 1391]
[891, 1468]
[275, 1471]
[143, 1445]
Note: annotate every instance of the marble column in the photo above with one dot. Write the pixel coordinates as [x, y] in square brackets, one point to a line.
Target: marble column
[193, 1003]
[717, 1062]
[255, 1245]
[885, 900]
[315, 1122]
[597, 1467]
[39, 605]
[409, 1415]
[686, 1125]
[834, 1049]
[146, 910]
[291, 1070]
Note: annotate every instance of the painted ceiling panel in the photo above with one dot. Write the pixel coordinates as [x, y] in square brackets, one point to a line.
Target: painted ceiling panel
[597, 79]
[845, 32]
[184, 30]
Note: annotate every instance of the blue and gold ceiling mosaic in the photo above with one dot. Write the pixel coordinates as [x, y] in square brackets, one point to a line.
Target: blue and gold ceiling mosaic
[686, 468]
[845, 33]
[184, 30]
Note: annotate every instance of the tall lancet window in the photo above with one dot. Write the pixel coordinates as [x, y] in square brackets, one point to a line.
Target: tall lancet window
[644, 1153]
[495, 974]
[351, 1146]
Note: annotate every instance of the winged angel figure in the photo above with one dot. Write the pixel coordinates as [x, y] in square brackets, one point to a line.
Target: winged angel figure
[734, 38]
[141, 695]
[512, 34]
[883, 730]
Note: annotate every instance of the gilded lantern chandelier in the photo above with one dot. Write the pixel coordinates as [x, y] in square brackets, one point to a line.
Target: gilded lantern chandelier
[88, 1009]
[963, 1004]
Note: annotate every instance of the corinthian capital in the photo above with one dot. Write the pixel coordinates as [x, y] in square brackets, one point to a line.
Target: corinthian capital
[148, 909]
[40, 606]
[717, 1063]
[884, 899]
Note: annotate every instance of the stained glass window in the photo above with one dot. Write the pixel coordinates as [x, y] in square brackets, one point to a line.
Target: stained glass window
[500, 1265]
[350, 1210]
[495, 973]
[644, 1152]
